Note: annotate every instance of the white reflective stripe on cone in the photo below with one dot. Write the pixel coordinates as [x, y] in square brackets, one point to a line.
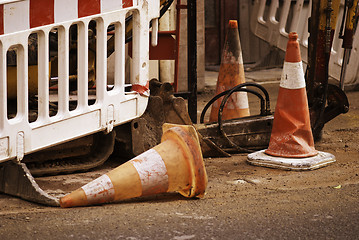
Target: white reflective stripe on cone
[238, 100]
[292, 76]
[99, 189]
[152, 172]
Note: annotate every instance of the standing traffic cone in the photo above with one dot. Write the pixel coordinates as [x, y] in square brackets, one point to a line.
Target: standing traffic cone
[175, 165]
[231, 74]
[291, 145]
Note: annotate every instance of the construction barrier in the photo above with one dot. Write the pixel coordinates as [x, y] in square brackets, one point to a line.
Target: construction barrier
[23, 21]
[273, 22]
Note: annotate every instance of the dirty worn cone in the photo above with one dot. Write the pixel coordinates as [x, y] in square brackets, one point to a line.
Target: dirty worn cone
[231, 74]
[291, 144]
[291, 133]
[175, 165]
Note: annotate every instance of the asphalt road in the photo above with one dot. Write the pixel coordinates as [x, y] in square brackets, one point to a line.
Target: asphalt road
[228, 211]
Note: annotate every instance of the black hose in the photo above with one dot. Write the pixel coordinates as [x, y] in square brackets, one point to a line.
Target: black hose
[220, 111]
[265, 108]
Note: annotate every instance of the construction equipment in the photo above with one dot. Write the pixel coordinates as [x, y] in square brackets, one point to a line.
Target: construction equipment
[350, 20]
[120, 113]
[325, 100]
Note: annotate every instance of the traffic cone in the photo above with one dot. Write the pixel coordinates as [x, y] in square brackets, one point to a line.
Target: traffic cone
[175, 165]
[231, 74]
[291, 145]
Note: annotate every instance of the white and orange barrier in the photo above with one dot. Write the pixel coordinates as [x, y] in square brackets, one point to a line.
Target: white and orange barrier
[111, 106]
[19, 15]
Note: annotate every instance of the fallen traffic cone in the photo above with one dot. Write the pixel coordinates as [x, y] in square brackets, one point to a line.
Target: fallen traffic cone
[291, 145]
[231, 74]
[175, 165]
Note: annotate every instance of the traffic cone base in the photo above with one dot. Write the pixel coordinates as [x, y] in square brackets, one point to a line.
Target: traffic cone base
[175, 165]
[193, 168]
[260, 158]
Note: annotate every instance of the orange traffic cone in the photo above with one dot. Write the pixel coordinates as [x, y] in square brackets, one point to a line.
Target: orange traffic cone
[231, 74]
[291, 145]
[175, 165]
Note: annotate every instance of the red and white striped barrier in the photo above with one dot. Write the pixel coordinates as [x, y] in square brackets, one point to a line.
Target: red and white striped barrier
[19, 19]
[22, 15]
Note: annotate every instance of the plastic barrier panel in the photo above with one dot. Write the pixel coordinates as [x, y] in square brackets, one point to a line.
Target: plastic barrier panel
[273, 20]
[53, 70]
